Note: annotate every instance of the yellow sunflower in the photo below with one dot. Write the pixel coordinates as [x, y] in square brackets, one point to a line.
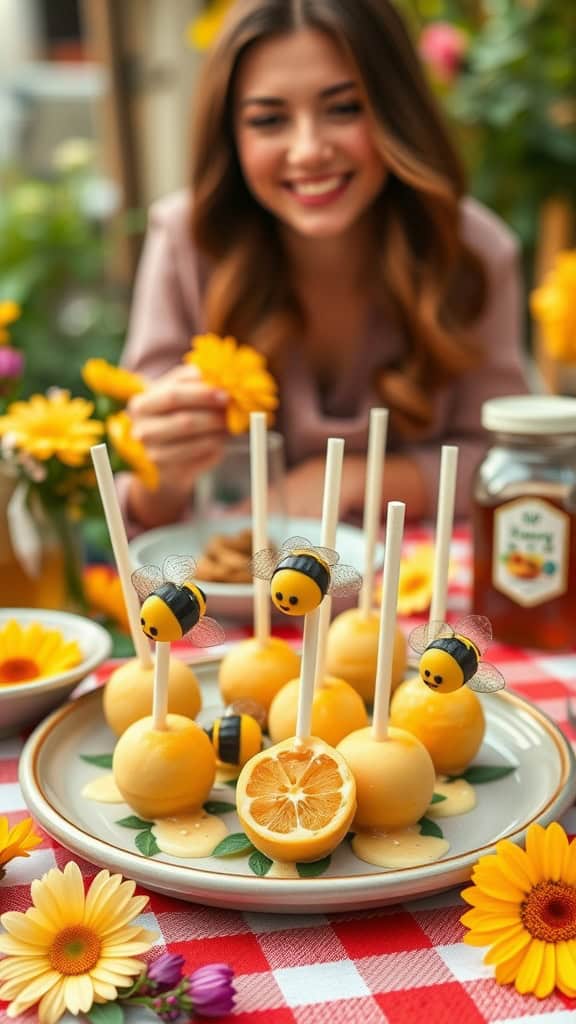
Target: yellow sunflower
[9, 312]
[72, 948]
[553, 306]
[29, 653]
[524, 908]
[131, 450]
[16, 841]
[414, 581]
[53, 425]
[240, 371]
[112, 381]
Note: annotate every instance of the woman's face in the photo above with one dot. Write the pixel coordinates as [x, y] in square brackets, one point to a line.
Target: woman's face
[304, 135]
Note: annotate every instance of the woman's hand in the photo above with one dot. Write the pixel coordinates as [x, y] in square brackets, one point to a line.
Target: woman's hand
[181, 422]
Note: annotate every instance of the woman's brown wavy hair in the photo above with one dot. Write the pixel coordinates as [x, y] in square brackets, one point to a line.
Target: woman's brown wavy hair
[431, 282]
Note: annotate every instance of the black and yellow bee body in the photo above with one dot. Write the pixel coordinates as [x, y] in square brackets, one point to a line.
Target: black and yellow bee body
[235, 738]
[301, 574]
[173, 605]
[450, 656]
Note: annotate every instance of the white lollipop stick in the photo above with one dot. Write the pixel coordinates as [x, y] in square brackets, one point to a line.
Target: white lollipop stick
[444, 526]
[329, 525]
[332, 477]
[160, 691]
[119, 541]
[259, 493]
[373, 502]
[393, 550]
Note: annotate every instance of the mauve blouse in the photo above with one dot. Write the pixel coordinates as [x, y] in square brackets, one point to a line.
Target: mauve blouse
[167, 311]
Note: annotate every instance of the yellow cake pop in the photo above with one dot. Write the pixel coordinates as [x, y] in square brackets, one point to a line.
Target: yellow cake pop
[128, 693]
[257, 671]
[337, 709]
[352, 651]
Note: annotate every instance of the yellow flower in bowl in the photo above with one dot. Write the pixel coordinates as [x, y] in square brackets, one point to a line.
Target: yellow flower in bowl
[33, 652]
[241, 372]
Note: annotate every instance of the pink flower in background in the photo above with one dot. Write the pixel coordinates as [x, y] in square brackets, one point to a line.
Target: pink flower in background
[443, 48]
[11, 363]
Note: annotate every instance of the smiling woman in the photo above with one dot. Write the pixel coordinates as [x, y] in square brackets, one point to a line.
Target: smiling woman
[327, 225]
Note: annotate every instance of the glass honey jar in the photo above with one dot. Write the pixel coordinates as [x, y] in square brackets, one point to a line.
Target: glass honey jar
[524, 522]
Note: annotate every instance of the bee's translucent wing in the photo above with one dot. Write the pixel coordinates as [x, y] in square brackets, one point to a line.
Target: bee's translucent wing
[487, 679]
[294, 544]
[263, 563]
[476, 628]
[206, 633]
[178, 568]
[423, 635]
[147, 579]
[345, 580]
[328, 555]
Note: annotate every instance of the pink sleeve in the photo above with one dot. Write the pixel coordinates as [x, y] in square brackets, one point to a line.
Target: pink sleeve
[165, 303]
[499, 331]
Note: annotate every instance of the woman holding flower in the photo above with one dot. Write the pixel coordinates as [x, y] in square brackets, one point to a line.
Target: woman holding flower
[327, 226]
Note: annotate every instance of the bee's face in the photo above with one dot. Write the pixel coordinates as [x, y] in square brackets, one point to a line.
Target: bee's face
[440, 671]
[294, 592]
[158, 620]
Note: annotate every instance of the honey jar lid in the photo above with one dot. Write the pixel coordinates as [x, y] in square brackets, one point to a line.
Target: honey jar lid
[530, 414]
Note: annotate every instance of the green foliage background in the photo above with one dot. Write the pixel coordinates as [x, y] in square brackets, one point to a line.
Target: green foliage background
[513, 105]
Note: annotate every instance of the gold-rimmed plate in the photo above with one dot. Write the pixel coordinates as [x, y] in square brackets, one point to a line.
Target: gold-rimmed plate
[53, 773]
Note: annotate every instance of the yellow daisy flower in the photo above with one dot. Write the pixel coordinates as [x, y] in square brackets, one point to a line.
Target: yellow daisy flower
[32, 652]
[202, 32]
[112, 381]
[9, 312]
[554, 307]
[53, 426]
[131, 450]
[104, 594]
[16, 841]
[72, 948]
[524, 908]
[240, 371]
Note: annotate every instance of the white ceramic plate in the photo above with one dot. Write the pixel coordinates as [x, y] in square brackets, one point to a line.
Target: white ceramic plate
[26, 703]
[53, 774]
[234, 600]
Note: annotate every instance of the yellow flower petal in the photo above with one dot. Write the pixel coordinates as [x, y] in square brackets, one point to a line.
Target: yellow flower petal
[516, 865]
[535, 848]
[483, 921]
[78, 994]
[529, 972]
[477, 898]
[52, 1006]
[555, 851]
[547, 979]
[509, 945]
[565, 969]
[569, 873]
[20, 927]
[506, 970]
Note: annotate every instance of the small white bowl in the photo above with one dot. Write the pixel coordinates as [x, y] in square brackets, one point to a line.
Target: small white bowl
[25, 703]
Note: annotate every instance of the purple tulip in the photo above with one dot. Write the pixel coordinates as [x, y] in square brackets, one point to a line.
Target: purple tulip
[166, 971]
[11, 362]
[211, 990]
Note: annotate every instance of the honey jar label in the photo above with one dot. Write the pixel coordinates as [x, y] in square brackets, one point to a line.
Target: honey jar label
[530, 551]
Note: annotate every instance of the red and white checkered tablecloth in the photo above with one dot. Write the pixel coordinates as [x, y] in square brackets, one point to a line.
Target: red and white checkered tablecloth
[399, 965]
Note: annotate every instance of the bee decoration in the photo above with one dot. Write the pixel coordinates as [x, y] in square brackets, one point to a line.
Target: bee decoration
[173, 605]
[301, 574]
[235, 738]
[450, 655]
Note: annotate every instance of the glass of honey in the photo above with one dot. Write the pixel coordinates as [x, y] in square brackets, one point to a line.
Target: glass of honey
[524, 522]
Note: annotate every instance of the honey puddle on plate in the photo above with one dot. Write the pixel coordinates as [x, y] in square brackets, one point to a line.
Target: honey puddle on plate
[404, 848]
[460, 798]
[189, 835]
[104, 790]
[280, 869]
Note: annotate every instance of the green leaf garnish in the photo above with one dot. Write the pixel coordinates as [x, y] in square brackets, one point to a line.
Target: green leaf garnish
[106, 1013]
[100, 760]
[147, 844]
[479, 773]
[437, 798]
[430, 828]
[235, 843]
[314, 869]
[218, 807]
[259, 863]
[134, 822]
